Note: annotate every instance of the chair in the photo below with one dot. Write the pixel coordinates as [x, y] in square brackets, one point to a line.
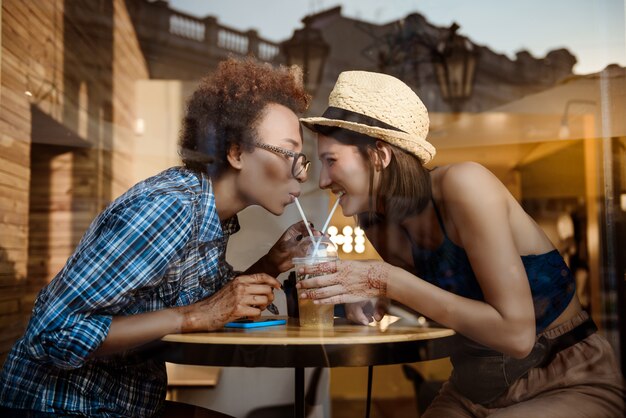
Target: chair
[179, 410]
[186, 376]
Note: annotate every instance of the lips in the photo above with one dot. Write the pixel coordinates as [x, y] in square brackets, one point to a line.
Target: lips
[340, 197]
[293, 196]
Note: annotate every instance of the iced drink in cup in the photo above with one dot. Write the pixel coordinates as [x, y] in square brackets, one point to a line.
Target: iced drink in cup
[310, 253]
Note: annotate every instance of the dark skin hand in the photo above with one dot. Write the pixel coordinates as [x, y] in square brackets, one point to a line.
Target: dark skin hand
[244, 296]
[278, 258]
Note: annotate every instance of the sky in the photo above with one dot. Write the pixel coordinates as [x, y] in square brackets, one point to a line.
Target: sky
[592, 30]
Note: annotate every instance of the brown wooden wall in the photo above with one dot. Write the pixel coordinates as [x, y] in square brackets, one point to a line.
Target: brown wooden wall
[67, 111]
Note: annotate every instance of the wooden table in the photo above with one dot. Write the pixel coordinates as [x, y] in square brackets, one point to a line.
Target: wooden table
[288, 345]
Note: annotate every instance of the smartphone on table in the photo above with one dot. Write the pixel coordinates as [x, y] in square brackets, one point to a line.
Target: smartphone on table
[255, 323]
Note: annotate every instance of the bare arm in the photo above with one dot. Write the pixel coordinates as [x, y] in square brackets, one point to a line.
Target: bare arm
[244, 296]
[476, 204]
[477, 320]
[128, 332]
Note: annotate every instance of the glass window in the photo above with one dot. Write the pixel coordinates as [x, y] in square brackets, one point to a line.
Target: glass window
[93, 95]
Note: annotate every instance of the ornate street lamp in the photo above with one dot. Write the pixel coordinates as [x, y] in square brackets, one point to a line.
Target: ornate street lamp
[454, 59]
[308, 50]
[411, 43]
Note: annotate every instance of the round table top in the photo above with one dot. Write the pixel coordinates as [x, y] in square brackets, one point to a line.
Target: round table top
[290, 345]
[292, 333]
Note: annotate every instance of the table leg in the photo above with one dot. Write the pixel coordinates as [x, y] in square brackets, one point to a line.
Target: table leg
[299, 394]
[370, 376]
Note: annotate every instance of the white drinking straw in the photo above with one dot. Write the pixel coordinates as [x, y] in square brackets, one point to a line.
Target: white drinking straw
[330, 215]
[306, 223]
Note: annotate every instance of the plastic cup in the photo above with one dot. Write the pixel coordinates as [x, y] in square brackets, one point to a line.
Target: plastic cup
[313, 315]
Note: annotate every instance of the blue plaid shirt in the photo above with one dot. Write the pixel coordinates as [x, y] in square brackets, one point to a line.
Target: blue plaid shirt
[159, 245]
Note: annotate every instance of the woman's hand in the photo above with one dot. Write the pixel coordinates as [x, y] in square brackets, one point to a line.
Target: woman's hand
[367, 311]
[280, 255]
[245, 296]
[353, 281]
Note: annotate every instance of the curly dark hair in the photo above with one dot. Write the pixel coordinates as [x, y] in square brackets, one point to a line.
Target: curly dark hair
[227, 105]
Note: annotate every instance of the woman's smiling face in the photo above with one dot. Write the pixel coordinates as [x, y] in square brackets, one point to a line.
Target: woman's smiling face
[345, 170]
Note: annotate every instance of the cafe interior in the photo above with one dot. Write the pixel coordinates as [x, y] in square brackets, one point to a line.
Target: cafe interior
[92, 98]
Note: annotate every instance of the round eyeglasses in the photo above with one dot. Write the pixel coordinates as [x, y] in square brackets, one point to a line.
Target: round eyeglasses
[300, 163]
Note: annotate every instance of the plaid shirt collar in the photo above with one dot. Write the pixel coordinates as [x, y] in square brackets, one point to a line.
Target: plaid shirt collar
[211, 227]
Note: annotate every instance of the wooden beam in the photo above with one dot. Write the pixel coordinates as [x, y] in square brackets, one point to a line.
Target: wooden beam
[593, 174]
[0, 50]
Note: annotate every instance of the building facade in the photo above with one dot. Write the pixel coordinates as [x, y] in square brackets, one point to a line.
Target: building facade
[77, 79]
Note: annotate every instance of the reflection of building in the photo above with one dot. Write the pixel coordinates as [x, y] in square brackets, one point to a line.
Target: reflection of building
[66, 130]
[555, 139]
[74, 131]
[70, 75]
[76, 124]
[91, 100]
[408, 49]
[178, 46]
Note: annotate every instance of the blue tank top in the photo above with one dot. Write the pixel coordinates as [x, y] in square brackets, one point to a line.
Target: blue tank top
[551, 282]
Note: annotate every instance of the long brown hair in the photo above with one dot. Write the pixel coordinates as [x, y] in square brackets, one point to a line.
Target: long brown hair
[404, 188]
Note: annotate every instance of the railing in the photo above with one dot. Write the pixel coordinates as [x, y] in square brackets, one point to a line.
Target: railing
[232, 40]
[187, 28]
[209, 31]
[267, 50]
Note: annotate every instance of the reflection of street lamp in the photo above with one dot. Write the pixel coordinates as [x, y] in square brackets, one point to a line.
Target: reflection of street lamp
[350, 239]
[455, 66]
[453, 58]
[308, 50]
[564, 130]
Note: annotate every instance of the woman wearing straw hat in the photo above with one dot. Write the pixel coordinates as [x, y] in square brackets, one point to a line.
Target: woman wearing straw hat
[459, 249]
[153, 262]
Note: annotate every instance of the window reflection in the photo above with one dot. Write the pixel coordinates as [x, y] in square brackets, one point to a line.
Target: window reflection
[93, 93]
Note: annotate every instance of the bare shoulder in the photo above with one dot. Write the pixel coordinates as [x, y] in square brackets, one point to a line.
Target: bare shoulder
[468, 180]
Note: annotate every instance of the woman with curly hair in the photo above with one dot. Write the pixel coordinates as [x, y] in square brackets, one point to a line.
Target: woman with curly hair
[153, 262]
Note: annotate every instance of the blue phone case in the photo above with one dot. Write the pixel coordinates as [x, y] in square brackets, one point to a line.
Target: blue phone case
[255, 323]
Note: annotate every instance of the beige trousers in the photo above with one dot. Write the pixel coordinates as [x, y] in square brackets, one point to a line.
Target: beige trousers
[583, 381]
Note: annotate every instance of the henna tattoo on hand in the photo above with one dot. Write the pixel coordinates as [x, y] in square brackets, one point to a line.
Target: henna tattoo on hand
[323, 269]
[377, 277]
[369, 283]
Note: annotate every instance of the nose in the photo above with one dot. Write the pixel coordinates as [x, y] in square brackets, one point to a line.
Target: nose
[302, 177]
[325, 180]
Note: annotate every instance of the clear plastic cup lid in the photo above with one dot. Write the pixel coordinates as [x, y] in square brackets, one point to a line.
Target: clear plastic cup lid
[319, 247]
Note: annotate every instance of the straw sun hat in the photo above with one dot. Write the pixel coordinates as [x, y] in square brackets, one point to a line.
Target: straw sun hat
[380, 106]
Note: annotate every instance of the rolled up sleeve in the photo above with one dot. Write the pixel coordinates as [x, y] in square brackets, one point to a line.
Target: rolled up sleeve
[125, 250]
